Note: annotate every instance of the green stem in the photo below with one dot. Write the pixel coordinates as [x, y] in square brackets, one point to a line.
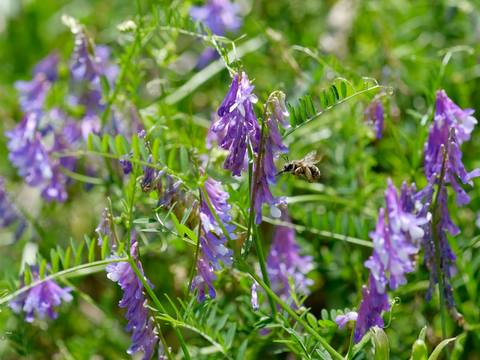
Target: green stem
[436, 240]
[197, 248]
[350, 344]
[263, 268]
[13, 295]
[293, 314]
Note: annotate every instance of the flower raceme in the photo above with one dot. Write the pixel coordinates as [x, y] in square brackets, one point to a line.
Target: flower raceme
[271, 146]
[41, 299]
[452, 126]
[140, 324]
[396, 240]
[375, 117]
[220, 16]
[286, 266]
[212, 249]
[237, 124]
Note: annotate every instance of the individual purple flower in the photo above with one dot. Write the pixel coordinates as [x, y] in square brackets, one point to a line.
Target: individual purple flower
[104, 229]
[8, 212]
[370, 311]
[126, 164]
[254, 298]
[219, 15]
[213, 251]
[374, 116]
[451, 127]
[237, 124]
[140, 324]
[271, 146]
[287, 269]
[41, 299]
[344, 319]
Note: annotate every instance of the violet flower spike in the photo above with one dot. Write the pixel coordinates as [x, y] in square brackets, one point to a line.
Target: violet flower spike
[272, 145]
[375, 117]
[452, 126]
[220, 16]
[370, 310]
[285, 265]
[396, 240]
[140, 324]
[237, 124]
[213, 250]
[41, 299]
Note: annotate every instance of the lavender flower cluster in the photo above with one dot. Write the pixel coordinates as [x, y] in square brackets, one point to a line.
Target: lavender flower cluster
[212, 241]
[40, 299]
[45, 131]
[140, 324]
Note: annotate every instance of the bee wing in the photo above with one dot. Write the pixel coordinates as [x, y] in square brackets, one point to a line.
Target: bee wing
[312, 158]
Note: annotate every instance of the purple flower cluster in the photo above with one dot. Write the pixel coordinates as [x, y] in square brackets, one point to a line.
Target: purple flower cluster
[237, 124]
[287, 269]
[31, 144]
[41, 299]
[220, 16]
[451, 127]
[375, 117]
[370, 310]
[237, 127]
[271, 146]
[396, 239]
[88, 65]
[213, 251]
[33, 93]
[140, 324]
[9, 214]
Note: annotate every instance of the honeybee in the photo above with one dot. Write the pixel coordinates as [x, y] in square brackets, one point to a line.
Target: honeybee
[305, 167]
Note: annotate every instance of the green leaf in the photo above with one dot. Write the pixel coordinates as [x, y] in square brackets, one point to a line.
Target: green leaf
[380, 341]
[241, 350]
[343, 89]
[66, 258]
[419, 350]
[312, 320]
[105, 143]
[54, 260]
[120, 145]
[43, 267]
[438, 349]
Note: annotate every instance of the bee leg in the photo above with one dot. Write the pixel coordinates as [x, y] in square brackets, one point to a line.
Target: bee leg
[298, 171]
[308, 174]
